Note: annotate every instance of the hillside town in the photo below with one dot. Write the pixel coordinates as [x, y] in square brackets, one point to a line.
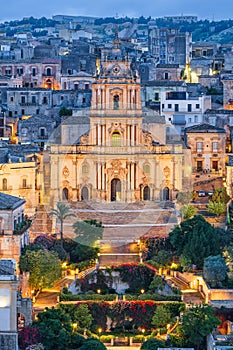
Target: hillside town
[116, 183]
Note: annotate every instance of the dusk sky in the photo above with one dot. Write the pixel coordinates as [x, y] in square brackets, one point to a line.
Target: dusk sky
[17, 9]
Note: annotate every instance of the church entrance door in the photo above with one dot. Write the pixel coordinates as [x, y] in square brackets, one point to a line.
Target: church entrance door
[115, 190]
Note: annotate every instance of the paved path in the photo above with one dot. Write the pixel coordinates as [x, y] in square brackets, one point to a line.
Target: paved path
[48, 297]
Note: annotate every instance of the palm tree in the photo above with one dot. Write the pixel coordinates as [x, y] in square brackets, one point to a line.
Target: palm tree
[62, 212]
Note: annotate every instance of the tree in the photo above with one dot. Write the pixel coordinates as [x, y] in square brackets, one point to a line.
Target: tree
[216, 208]
[215, 270]
[55, 328]
[62, 212]
[44, 268]
[162, 317]
[65, 112]
[83, 316]
[187, 212]
[196, 324]
[220, 196]
[87, 234]
[152, 344]
[163, 258]
[157, 283]
[195, 239]
[184, 198]
[93, 344]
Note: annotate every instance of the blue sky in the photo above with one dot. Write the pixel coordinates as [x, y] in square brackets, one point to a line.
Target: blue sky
[17, 9]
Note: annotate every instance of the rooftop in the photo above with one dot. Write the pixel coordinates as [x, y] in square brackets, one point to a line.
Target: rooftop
[204, 128]
[10, 202]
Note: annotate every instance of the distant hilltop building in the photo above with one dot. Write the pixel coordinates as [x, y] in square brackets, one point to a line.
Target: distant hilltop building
[178, 19]
[80, 19]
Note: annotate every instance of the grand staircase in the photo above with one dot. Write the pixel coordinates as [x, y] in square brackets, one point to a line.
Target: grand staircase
[124, 224]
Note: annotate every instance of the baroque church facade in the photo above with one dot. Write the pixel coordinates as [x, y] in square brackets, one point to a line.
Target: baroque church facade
[115, 151]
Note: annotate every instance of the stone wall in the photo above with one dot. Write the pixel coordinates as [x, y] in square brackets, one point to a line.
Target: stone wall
[8, 341]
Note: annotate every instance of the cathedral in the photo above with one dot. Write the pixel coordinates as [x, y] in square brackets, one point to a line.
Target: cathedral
[116, 150]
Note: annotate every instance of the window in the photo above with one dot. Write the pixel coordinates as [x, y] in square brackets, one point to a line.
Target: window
[176, 108]
[33, 72]
[195, 119]
[20, 71]
[34, 99]
[146, 168]
[116, 102]
[190, 120]
[199, 165]
[42, 132]
[69, 71]
[215, 165]
[87, 86]
[84, 100]
[166, 76]
[189, 107]
[8, 71]
[4, 184]
[169, 105]
[116, 139]
[83, 65]
[197, 106]
[45, 100]
[22, 111]
[156, 96]
[215, 146]
[48, 71]
[23, 99]
[24, 183]
[85, 169]
[12, 99]
[199, 146]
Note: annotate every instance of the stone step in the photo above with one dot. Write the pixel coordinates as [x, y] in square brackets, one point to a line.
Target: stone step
[108, 260]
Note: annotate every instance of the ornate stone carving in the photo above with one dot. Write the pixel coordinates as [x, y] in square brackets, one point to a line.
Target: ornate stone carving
[116, 170]
[116, 127]
[167, 172]
[84, 139]
[65, 172]
[147, 138]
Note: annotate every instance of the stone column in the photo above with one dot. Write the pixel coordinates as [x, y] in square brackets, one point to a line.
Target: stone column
[132, 176]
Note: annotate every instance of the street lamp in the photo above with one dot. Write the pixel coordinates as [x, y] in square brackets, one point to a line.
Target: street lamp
[143, 331]
[99, 331]
[98, 291]
[142, 291]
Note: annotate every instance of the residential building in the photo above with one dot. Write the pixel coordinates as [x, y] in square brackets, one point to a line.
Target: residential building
[208, 149]
[169, 46]
[13, 227]
[8, 305]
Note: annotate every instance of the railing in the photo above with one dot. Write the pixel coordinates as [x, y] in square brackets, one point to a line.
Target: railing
[117, 150]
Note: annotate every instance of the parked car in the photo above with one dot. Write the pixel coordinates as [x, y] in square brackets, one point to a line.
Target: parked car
[210, 193]
[201, 193]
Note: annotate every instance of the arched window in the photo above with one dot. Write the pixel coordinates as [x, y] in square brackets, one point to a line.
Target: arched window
[116, 139]
[116, 100]
[85, 169]
[49, 71]
[146, 168]
[4, 184]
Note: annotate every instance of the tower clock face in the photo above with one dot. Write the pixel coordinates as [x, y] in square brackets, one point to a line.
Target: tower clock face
[116, 69]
